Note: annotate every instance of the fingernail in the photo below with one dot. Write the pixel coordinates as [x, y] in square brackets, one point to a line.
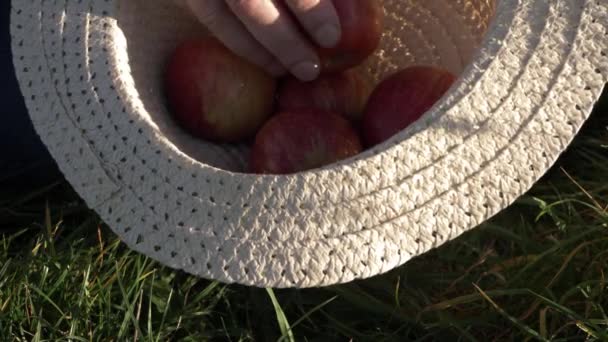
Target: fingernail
[306, 71]
[328, 36]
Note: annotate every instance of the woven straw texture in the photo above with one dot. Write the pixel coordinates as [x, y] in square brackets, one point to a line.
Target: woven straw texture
[530, 72]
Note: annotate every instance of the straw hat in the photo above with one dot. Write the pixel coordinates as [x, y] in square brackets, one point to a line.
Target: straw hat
[90, 70]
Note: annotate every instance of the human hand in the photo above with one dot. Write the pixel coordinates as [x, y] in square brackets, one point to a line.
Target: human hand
[267, 33]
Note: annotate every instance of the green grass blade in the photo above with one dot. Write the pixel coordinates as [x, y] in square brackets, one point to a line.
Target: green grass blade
[308, 314]
[165, 311]
[49, 230]
[466, 299]
[363, 299]
[76, 338]
[149, 320]
[38, 335]
[521, 325]
[281, 318]
[598, 331]
[128, 307]
[46, 298]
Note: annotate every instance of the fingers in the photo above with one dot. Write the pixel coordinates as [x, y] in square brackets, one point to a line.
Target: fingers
[219, 19]
[319, 18]
[272, 25]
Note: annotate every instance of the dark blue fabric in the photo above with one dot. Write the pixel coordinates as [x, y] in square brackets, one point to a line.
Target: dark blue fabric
[24, 161]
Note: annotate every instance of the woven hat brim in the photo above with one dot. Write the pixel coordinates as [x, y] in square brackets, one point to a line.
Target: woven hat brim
[519, 104]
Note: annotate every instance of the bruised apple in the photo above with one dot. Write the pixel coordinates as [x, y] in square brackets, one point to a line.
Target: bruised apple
[214, 94]
[345, 93]
[361, 22]
[300, 140]
[401, 99]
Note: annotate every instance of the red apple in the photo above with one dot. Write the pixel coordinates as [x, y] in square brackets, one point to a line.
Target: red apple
[216, 95]
[345, 93]
[300, 140]
[401, 99]
[361, 22]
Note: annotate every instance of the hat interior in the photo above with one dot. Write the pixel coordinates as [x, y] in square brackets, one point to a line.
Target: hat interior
[444, 33]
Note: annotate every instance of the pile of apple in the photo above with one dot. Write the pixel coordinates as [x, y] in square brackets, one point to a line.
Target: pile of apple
[291, 125]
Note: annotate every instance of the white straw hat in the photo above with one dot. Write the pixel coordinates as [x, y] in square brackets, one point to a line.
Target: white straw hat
[90, 71]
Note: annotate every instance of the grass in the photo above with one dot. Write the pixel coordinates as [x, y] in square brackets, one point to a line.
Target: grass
[536, 272]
